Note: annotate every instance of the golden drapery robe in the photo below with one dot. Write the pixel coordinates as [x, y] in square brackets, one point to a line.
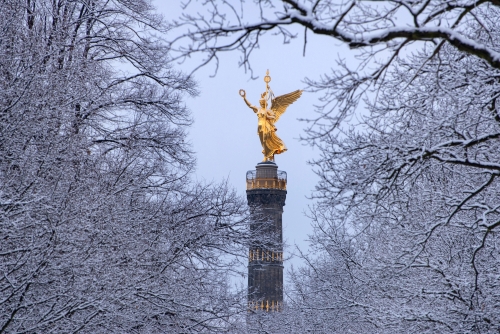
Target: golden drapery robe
[271, 143]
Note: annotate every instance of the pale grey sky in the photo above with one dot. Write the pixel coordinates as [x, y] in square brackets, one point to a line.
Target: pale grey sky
[224, 134]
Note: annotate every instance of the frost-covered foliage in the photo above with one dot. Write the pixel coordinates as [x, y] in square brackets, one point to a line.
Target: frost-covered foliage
[101, 229]
[407, 225]
[413, 202]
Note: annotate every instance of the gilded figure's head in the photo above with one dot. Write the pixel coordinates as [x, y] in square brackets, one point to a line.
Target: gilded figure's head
[263, 100]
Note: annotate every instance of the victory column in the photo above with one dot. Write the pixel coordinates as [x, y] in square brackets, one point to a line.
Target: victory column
[266, 193]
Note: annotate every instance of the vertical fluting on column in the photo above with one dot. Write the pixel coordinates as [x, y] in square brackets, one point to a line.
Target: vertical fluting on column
[266, 194]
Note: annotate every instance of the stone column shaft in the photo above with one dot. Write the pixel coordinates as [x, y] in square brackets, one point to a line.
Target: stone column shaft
[266, 194]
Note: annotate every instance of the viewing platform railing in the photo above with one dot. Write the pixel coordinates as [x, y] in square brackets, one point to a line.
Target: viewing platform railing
[266, 181]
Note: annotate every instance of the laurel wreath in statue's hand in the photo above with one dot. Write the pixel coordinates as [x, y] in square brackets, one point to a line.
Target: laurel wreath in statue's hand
[242, 93]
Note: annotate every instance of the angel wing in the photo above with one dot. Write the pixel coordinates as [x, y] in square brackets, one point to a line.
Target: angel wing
[280, 103]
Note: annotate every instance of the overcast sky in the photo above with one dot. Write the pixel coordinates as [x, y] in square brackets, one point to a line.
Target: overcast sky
[224, 134]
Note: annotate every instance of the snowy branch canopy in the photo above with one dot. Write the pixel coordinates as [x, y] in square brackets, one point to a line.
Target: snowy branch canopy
[102, 229]
[360, 24]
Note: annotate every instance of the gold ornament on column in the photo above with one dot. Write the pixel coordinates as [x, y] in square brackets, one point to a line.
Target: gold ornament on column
[271, 143]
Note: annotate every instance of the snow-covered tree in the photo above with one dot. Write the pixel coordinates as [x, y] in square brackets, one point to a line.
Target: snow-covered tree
[406, 227]
[101, 228]
[414, 196]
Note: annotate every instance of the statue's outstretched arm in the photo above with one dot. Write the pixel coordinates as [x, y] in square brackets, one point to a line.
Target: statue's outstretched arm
[243, 95]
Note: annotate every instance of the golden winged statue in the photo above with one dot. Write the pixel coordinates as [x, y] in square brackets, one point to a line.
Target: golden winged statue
[271, 143]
